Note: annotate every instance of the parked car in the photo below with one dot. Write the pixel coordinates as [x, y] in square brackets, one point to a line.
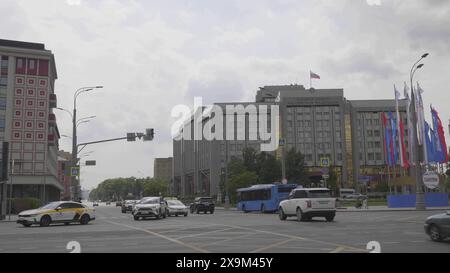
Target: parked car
[150, 207]
[128, 205]
[95, 204]
[176, 208]
[438, 227]
[108, 203]
[57, 212]
[308, 203]
[355, 196]
[118, 203]
[203, 204]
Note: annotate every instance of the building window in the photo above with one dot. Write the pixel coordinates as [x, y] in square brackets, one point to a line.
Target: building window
[32, 67]
[378, 156]
[43, 68]
[20, 66]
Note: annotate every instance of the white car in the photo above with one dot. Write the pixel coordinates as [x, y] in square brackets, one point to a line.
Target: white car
[57, 212]
[150, 207]
[176, 208]
[308, 203]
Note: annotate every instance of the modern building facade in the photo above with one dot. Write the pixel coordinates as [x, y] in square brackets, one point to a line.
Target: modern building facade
[27, 121]
[162, 168]
[321, 124]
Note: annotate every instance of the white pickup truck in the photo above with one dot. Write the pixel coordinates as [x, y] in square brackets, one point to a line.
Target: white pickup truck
[308, 203]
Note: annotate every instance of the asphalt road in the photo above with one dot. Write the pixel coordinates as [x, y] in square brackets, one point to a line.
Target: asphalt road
[228, 232]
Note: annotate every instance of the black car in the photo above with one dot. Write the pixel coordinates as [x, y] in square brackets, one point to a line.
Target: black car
[438, 227]
[203, 204]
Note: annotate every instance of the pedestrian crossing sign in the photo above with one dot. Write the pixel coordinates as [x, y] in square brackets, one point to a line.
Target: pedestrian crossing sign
[325, 162]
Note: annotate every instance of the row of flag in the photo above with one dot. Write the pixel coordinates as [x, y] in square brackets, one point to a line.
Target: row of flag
[432, 139]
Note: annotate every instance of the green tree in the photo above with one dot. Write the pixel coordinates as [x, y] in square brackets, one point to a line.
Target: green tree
[295, 167]
[249, 156]
[242, 180]
[156, 187]
[268, 168]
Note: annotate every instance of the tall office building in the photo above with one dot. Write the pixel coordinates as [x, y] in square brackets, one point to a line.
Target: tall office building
[27, 121]
[162, 168]
[321, 124]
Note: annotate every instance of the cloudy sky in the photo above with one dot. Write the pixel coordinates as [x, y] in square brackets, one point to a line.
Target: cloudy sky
[152, 55]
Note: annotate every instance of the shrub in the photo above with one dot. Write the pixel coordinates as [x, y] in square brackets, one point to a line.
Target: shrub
[20, 204]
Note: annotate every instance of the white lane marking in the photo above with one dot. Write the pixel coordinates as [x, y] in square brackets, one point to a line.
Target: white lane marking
[203, 233]
[338, 250]
[292, 237]
[272, 246]
[160, 236]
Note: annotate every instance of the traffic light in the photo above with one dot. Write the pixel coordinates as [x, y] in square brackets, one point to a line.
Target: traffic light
[131, 137]
[149, 134]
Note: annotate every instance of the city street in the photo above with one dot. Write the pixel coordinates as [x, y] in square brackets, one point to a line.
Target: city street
[228, 232]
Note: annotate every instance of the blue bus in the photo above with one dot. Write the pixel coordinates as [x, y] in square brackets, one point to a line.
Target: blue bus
[263, 198]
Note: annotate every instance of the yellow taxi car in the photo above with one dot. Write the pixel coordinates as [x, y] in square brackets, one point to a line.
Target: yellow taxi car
[57, 213]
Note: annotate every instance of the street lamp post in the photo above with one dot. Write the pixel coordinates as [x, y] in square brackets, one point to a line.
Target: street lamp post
[417, 148]
[74, 135]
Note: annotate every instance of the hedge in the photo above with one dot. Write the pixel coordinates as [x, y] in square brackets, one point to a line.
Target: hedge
[22, 204]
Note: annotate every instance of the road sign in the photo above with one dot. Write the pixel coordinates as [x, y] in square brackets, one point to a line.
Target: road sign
[325, 162]
[326, 176]
[431, 180]
[75, 171]
[91, 163]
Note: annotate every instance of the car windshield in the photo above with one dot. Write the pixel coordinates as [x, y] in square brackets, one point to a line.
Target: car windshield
[150, 201]
[319, 194]
[174, 202]
[52, 205]
[206, 200]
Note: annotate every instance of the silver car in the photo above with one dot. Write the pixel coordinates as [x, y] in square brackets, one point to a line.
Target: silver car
[176, 208]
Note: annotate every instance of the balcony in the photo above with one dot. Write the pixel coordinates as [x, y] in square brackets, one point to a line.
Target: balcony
[52, 119]
[53, 102]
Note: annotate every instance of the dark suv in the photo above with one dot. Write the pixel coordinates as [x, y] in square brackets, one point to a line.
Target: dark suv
[203, 204]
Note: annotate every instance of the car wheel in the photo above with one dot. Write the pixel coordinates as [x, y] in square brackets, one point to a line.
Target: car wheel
[26, 225]
[136, 218]
[66, 223]
[244, 209]
[282, 216]
[123, 211]
[45, 221]
[85, 219]
[300, 216]
[435, 234]
[330, 218]
[198, 211]
[185, 215]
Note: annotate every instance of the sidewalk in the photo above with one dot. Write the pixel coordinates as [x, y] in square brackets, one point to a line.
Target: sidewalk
[7, 220]
[371, 209]
[385, 208]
